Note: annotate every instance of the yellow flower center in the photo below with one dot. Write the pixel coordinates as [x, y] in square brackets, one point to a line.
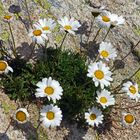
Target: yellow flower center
[46, 28]
[49, 90]
[20, 116]
[132, 89]
[37, 32]
[104, 54]
[3, 66]
[67, 27]
[93, 117]
[7, 17]
[99, 74]
[129, 118]
[50, 115]
[105, 18]
[103, 100]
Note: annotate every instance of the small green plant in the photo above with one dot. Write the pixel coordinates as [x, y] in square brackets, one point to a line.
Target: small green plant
[67, 67]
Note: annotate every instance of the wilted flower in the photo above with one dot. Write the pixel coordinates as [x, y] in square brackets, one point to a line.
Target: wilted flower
[15, 9]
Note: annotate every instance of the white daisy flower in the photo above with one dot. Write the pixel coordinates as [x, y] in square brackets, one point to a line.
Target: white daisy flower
[107, 51]
[105, 98]
[131, 89]
[45, 25]
[104, 20]
[117, 20]
[7, 18]
[70, 26]
[100, 74]
[128, 119]
[49, 88]
[21, 115]
[38, 36]
[51, 116]
[94, 117]
[4, 67]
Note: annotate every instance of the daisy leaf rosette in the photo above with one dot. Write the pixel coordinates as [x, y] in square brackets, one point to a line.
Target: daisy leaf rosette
[131, 89]
[45, 25]
[94, 116]
[69, 25]
[107, 51]
[21, 115]
[50, 116]
[4, 67]
[100, 74]
[49, 88]
[105, 98]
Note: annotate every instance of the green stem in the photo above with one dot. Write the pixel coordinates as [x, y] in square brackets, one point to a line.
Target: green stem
[9, 78]
[112, 69]
[92, 22]
[97, 34]
[117, 88]
[13, 40]
[3, 52]
[131, 50]
[38, 125]
[127, 107]
[26, 5]
[8, 126]
[134, 73]
[63, 40]
[107, 33]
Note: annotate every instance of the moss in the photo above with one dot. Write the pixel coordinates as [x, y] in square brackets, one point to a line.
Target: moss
[137, 30]
[44, 4]
[58, 38]
[8, 107]
[137, 78]
[1, 9]
[4, 35]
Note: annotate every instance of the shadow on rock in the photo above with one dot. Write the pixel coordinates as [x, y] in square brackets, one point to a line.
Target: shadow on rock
[29, 130]
[4, 136]
[119, 64]
[25, 50]
[106, 126]
[76, 131]
[91, 48]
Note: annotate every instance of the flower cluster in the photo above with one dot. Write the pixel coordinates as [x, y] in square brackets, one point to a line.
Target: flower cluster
[44, 26]
[99, 71]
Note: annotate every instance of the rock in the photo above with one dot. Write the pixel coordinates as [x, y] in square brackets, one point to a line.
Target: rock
[137, 2]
